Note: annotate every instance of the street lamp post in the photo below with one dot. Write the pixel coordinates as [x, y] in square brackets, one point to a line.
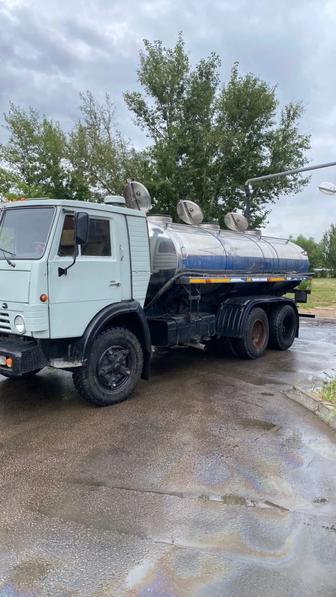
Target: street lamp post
[249, 188]
[328, 188]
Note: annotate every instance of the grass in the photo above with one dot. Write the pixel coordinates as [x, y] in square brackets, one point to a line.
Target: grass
[323, 294]
[328, 392]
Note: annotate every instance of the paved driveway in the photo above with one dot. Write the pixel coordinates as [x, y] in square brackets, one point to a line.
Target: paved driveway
[208, 482]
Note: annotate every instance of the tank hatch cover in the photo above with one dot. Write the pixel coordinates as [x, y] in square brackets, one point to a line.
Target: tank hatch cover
[236, 222]
[189, 212]
[114, 200]
[137, 196]
[212, 226]
[160, 219]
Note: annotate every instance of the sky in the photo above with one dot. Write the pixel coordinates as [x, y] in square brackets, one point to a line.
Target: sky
[50, 51]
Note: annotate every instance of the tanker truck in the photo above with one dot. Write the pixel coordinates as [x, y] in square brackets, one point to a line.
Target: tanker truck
[91, 288]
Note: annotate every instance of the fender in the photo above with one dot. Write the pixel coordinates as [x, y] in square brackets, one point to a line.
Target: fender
[232, 315]
[110, 313]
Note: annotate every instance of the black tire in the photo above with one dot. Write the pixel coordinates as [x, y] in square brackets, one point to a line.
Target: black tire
[113, 369]
[255, 340]
[24, 376]
[283, 325]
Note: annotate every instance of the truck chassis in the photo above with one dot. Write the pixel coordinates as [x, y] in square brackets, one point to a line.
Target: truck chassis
[115, 351]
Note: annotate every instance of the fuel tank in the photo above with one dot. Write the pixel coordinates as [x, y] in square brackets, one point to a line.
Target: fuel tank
[206, 248]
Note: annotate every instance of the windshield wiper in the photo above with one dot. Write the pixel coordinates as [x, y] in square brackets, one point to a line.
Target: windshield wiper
[5, 253]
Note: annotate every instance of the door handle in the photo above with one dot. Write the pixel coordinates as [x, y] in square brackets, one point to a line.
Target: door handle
[114, 283]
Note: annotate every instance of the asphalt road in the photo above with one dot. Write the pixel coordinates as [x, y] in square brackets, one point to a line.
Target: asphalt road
[209, 482]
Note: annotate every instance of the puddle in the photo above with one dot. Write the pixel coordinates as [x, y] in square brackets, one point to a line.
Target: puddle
[258, 424]
[138, 573]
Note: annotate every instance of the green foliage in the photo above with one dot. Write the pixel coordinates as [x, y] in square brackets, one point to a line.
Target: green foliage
[328, 391]
[99, 156]
[328, 247]
[40, 160]
[32, 159]
[208, 137]
[313, 249]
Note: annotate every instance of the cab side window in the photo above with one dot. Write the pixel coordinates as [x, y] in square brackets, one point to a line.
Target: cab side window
[99, 243]
[67, 243]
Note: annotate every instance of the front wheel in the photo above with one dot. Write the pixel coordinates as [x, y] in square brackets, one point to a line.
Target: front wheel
[113, 368]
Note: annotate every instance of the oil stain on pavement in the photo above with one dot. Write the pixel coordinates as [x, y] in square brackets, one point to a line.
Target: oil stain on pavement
[208, 482]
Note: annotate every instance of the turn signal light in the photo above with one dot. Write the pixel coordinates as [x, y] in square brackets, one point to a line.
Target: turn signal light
[44, 298]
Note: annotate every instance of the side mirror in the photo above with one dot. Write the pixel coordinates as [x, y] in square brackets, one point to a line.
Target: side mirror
[81, 238]
[82, 228]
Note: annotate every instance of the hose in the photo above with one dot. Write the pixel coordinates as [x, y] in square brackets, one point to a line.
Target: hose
[170, 283]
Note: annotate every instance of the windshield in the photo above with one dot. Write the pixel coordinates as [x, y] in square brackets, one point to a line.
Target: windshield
[24, 231]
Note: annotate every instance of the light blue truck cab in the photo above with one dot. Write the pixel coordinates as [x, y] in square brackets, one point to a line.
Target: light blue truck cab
[90, 287]
[50, 308]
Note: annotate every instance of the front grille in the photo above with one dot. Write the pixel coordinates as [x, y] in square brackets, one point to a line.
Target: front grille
[5, 325]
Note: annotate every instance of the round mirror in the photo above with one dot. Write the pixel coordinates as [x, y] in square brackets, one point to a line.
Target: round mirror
[189, 212]
[236, 222]
[328, 188]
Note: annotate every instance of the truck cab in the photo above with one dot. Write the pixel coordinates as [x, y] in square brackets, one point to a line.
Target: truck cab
[67, 267]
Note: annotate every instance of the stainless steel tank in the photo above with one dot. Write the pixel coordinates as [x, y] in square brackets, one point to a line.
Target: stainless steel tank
[178, 247]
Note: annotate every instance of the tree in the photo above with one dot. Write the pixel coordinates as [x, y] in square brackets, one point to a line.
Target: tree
[33, 158]
[328, 246]
[92, 160]
[209, 137]
[313, 249]
[97, 152]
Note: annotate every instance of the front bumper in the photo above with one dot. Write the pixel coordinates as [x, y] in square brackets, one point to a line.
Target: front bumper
[23, 355]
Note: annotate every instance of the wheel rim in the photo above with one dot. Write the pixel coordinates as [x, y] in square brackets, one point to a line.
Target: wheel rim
[258, 334]
[114, 367]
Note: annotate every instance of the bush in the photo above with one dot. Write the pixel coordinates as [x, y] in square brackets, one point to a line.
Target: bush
[328, 391]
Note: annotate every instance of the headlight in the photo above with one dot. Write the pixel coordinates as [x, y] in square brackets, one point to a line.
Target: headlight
[20, 324]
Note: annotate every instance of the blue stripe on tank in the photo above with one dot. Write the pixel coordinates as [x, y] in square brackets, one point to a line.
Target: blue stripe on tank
[244, 264]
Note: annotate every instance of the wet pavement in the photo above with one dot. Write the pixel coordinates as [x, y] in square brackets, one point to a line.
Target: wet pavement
[208, 482]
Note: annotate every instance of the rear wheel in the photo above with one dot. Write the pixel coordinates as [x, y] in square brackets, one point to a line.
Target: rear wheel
[113, 369]
[255, 340]
[283, 327]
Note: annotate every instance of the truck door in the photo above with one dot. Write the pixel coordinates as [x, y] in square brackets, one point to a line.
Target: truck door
[95, 280]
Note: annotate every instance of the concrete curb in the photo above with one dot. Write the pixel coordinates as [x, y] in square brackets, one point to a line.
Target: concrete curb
[317, 320]
[325, 411]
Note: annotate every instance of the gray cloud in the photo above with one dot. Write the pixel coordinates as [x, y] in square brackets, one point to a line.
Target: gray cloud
[50, 51]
